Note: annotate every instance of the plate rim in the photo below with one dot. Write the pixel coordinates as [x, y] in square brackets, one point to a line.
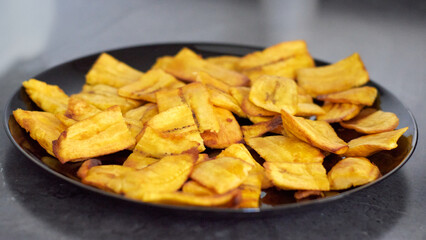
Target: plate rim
[220, 211]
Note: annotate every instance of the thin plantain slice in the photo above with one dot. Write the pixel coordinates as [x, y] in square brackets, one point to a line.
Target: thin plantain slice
[161, 62]
[86, 166]
[308, 109]
[258, 129]
[285, 149]
[186, 65]
[362, 95]
[137, 117]
[273, 54]
[352, 172]
[225, 61]
[370, 121]
[79, 109]
[297, 176]
[318, 133]
[49, 98]
[224, 100]
[274, 93]
[149, 83]
[251, 188]
[110, 71]
[336, 112]
[43, 127]
[139, 161]
[193, 187]
[208, 80]
[367, 145]
[221, 174]
[169, 98]
[340, 76]
[101, 134]
[229, 131]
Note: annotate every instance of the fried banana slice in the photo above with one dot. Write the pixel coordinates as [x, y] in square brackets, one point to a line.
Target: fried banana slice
[139, 161]
[224, 100]
[177, 122]
[101, 134]
[65, 120]
[197, 96]
[284, 68]
[371, 121]
[362, 95]
[251, 188]
[161, 62]
[208, 80]
[225, 61]
[49, 98]
[79, 109]
[154, 144]
[193, 187]
[104, 96]
[258, 129]
[297, 176]
[318, 133]
[340, 76]
[367, 145]
[110, 71]
[274, 93]
[239, 93]
[229, 131]
[273, 54]
[229, 199]
[253, 110]
[285, 149]
[221, 174]
[169, 98]
[137, 117]
[149, 83]
[336, 112]
[352, 171]
[186, 65]
[43, 127]
[308, 109]
[86, 166]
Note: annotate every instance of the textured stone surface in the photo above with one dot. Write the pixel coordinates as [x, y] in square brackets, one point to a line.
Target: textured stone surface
[389, 35]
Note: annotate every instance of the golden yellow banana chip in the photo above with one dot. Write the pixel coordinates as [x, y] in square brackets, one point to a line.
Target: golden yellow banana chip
[251, 188]
[225, 61]
[258, 129]
[239, 93]
[169, 98]
[101, 134]
[274, 93]
[48, 97]
[79, 109]
[110, 71]
[340, 76]
[149, 83]
[161, 62]
[367, 145]
[297, 176]
[229, 131]
[208, 80]
[186, 65]
[308, 109]
[284, 68]
[285, 149]
[318, 133]
[139, 161]
[224, 100]
[197, 96]
[362, 95]
[137, 117]
[336, 112]
[371, 121]
[352, 172]
[193, 187]
[65, 120]
[273, 54]
[43, 127]
[221, 174]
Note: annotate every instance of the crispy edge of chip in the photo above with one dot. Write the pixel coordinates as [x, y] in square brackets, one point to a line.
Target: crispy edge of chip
[86, 166]
[365, 95]
[258, 129]
[362, 122]
[336, 112]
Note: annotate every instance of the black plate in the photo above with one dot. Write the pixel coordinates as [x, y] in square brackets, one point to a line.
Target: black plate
[70, 77]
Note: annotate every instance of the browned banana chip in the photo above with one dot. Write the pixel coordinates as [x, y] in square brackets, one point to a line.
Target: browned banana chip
[79, 109]
[336, 112]
[208, 80]
[352, 172]
[149, 83]
[258, 129]
[318, 133]
[43, 127]
[371, 121]
[340, 76]
[186, 65]
[285, 149]
[274, 93]
[224, 100]
[273, 54]
[297, 176]
[197, 96]
[221, 174]
[362, 95]
[169, 98]
[229, 131]
[99, 135]
[86, 166]
[367, 145]
[225, 61]
[285, 68]
[104, 96]
[48, 97]
[110, 71]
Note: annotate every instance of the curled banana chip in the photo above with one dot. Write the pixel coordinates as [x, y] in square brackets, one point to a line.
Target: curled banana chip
[371, 121]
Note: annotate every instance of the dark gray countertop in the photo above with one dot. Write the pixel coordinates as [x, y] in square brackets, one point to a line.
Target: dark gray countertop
[389, 35]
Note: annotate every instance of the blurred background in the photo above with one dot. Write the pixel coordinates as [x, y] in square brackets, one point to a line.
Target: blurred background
[36, 35]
